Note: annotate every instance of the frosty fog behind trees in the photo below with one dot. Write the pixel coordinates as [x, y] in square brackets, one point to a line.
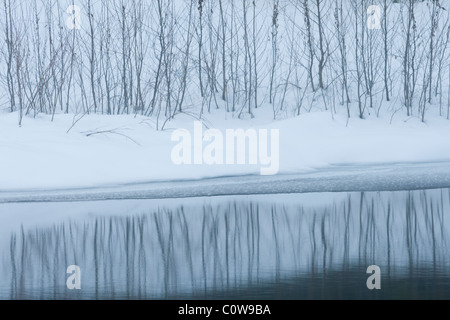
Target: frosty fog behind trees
[162, 58]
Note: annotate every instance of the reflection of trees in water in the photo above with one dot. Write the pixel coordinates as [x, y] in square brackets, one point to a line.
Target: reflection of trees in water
[208, 249]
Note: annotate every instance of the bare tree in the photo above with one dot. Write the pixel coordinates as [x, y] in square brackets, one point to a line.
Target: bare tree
[224, 54]
[200, 45]
[358, 25]
[92, 55]
[310, 43]
[275, 50]
[341, 29]
[323, 46]
[9, 38]
[386, 52]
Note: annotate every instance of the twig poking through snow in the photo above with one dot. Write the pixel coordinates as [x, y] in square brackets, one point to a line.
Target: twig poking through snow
[111, 131]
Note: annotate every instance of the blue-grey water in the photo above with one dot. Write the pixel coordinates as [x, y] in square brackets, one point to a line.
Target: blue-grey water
[297, 246]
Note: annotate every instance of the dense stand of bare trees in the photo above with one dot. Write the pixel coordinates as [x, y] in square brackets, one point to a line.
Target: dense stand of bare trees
[161, 58]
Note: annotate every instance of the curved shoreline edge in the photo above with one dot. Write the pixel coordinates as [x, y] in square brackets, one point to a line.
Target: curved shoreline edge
[344, 178]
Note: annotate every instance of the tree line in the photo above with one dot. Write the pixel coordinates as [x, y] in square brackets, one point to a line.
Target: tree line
[162, 58]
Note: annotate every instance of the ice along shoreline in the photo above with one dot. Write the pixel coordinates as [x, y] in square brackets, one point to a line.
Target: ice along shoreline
[344, 178]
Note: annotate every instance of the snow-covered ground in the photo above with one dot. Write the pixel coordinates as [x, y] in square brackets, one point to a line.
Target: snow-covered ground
[41, 155]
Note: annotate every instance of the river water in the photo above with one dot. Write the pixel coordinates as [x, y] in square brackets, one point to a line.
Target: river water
[296, 246]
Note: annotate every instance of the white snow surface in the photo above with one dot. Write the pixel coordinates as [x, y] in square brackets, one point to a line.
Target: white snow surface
[42, 155]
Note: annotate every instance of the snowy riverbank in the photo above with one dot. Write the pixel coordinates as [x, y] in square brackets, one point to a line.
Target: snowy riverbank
[102, 151]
